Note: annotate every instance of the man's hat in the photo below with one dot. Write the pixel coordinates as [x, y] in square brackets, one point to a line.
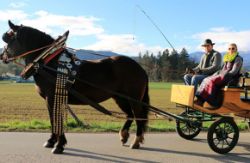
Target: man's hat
[207, 42]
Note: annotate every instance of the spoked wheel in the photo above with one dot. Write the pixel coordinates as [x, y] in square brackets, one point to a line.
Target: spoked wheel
[223, 135]
[185, 129]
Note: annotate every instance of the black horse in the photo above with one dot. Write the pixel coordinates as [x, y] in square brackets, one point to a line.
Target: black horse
[117, 74]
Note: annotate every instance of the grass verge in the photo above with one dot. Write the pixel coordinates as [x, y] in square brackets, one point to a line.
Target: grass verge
[96, 126]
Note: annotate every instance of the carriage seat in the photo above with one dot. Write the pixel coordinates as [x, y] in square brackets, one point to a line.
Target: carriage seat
[239, 87]
[246, 87]
[241, 83]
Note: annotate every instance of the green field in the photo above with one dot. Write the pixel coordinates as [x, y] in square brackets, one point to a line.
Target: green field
[22, 109]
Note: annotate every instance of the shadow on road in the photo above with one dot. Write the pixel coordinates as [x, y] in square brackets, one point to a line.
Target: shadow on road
[245, 145]
[230, 157]
[103, 157]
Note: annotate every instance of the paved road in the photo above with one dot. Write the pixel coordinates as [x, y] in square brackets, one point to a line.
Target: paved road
[105, 147]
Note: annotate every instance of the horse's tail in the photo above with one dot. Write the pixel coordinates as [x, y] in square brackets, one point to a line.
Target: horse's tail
[145, 109]
[146, 98]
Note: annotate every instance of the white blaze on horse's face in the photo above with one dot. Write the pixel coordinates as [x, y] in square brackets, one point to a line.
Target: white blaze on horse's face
[11, 32]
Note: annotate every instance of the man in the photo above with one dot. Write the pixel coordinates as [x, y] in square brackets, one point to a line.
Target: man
[210, 63]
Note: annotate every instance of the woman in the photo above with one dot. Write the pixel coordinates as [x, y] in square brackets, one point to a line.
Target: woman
[208, 90]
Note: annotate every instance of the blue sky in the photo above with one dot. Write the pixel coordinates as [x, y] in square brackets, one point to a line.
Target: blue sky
[119, 26]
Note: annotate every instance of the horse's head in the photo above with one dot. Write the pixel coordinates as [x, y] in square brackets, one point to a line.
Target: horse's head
[22, 39]
[13, 47]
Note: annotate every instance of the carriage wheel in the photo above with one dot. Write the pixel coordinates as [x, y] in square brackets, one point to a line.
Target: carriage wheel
[223, 135]
[185, 129]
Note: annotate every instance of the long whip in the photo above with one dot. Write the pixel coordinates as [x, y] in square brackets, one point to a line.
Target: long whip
[155, 25]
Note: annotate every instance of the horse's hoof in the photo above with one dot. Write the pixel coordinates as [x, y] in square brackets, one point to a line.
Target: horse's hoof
[124, 135]
[48, 144]
[57, 150]
[135, 146]
[138, 140]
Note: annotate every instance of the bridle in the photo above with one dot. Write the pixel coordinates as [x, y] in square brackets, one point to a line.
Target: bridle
[6, 53]
[50, 51]
[13, 59]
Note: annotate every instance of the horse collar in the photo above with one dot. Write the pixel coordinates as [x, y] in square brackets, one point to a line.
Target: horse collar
[53, 55]
[70, 66]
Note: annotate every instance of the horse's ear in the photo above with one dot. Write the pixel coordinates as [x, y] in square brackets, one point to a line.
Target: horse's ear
[13, 26]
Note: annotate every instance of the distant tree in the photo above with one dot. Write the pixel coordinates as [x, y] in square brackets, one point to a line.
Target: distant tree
[183, 61]
[165, 66]
[174, 62]
[11, 68]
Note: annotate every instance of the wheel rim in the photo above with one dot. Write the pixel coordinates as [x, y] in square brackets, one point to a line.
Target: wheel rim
[187, 130]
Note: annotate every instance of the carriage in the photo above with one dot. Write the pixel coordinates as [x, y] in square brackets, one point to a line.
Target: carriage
[62, 79]
[223, 133]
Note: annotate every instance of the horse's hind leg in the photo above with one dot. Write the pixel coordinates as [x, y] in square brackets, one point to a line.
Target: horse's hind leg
[141, 123]
[124, 132]
[125, 107]
[141, 113]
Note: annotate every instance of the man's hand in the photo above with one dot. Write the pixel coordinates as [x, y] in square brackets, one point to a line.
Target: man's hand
[189, 71]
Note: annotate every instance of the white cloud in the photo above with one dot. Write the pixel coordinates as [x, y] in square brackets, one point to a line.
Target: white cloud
[124, 44]
[12, 15]
[80, 26]
[56, 24]
[224, 36]
[53, 24]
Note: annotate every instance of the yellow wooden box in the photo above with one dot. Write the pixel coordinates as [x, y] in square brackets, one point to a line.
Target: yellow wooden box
[182, 94]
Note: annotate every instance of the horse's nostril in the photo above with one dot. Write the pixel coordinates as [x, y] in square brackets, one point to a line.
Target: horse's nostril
[5, 61]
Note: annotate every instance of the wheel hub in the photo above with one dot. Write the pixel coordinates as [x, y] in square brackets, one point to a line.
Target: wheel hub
[221, 135]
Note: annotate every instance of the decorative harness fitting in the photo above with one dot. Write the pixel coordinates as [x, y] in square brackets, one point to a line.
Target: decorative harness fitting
[66, 71]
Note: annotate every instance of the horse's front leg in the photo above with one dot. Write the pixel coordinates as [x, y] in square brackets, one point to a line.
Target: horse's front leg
[53, 138]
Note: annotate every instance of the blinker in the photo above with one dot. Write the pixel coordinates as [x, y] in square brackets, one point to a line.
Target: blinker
[7, 36]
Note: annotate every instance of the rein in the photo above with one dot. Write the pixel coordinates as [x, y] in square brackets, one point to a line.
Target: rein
[28, 52]
[14, 59]
[52, 50]
[104, 110]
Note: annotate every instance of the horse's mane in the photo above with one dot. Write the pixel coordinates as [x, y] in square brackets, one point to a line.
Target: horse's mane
[33, 38]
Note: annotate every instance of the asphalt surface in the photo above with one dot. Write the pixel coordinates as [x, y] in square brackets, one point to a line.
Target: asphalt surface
[17, 147]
